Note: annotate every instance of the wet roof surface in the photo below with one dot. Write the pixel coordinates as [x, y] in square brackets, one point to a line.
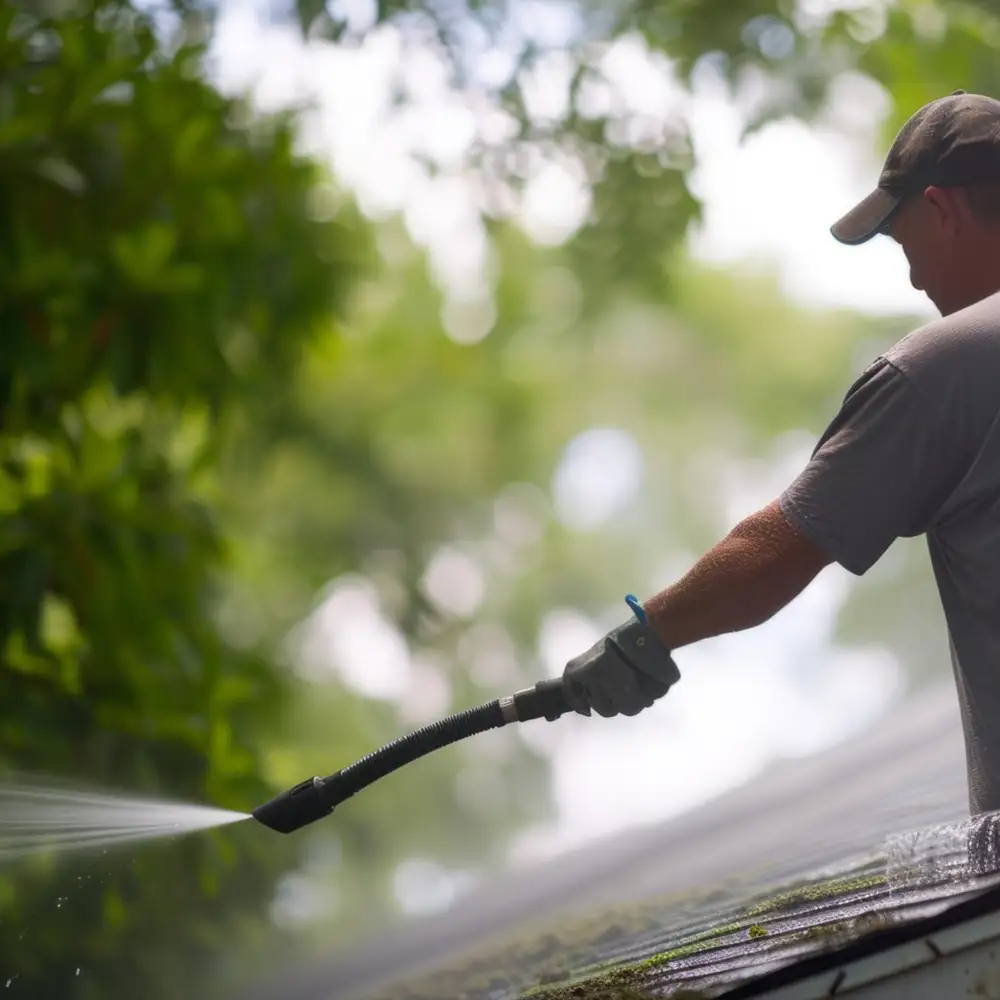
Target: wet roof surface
[788, 866]
[704, 947]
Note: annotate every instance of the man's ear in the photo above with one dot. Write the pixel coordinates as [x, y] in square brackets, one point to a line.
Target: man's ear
[944, 207]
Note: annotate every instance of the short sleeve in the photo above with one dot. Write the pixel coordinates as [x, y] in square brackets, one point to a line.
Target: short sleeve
[882, 470]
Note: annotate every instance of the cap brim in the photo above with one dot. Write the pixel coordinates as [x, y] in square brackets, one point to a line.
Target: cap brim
[866, 219]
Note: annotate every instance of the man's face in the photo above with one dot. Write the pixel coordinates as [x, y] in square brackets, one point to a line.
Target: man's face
[943, 244]
[913, 228]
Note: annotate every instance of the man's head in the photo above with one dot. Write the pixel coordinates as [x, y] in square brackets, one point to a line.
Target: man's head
[939, 197]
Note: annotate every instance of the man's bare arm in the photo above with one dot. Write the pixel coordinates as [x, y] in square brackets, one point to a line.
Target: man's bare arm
[761, 565]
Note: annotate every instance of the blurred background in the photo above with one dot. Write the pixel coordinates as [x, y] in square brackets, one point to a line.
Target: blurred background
[357, 358]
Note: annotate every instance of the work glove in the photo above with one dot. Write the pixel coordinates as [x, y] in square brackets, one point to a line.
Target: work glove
[623, 673]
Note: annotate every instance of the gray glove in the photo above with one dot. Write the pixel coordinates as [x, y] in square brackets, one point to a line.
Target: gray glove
[622, 674]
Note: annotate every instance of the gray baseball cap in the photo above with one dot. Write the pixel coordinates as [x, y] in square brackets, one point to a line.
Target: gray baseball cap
[950, 142]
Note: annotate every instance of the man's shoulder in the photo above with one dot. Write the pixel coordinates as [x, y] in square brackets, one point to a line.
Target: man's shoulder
[967, 339]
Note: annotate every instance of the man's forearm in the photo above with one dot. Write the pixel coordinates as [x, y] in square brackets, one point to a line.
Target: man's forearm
[742, 582]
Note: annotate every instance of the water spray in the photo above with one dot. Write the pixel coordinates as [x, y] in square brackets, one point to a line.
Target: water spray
[317, 797]
[36, 819]
[41, 817]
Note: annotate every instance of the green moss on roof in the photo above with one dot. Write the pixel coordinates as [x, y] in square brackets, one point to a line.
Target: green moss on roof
[558, 951]
[568, 959]
[820, 891]
[842, 931]
[619, 984]
[814, 893]
[631, 982]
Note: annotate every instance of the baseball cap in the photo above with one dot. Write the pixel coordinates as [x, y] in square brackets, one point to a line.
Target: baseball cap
[952, 141]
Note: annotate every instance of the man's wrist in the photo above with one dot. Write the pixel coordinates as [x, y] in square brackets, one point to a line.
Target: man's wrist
[640, 646]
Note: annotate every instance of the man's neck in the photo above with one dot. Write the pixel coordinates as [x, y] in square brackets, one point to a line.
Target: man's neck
[982, 279]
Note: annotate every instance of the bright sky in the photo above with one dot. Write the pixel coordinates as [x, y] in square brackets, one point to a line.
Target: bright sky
[779, 193]
[776, 196]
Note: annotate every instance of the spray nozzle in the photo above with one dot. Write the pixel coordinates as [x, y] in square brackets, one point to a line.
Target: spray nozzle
[295, 808]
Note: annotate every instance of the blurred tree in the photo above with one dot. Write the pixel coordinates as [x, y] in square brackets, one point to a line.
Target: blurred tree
[778, 57]
[162, 269]
[208, 425]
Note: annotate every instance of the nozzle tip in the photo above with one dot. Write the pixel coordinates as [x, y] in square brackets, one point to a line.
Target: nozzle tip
[295, 808]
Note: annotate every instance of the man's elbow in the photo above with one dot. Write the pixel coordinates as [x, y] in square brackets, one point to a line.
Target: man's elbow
[790, 561]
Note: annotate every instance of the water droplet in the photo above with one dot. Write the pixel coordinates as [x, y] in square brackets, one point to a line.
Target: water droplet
[78, 972]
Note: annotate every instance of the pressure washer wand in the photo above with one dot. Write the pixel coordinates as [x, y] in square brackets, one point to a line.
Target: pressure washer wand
[315, 798]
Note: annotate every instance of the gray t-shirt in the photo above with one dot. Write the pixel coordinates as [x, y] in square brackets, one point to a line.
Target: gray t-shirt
[915, 449]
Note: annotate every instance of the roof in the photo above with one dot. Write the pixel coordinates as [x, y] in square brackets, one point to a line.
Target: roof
[814, 928]
[792, 864]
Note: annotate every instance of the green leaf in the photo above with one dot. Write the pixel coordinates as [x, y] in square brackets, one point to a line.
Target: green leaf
[143, 254]
[62, 174]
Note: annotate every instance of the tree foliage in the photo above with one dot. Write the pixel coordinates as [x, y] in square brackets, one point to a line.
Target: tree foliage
[779, 57]
[211, 408]
[162, 270]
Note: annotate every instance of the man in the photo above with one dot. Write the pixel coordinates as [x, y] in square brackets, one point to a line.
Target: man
[915, 449]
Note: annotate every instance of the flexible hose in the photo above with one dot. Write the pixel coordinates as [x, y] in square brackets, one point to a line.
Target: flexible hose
[315, 798]
[544, 700]
[343, 784]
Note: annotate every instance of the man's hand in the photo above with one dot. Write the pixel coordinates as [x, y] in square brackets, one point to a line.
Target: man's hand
[622, 674]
